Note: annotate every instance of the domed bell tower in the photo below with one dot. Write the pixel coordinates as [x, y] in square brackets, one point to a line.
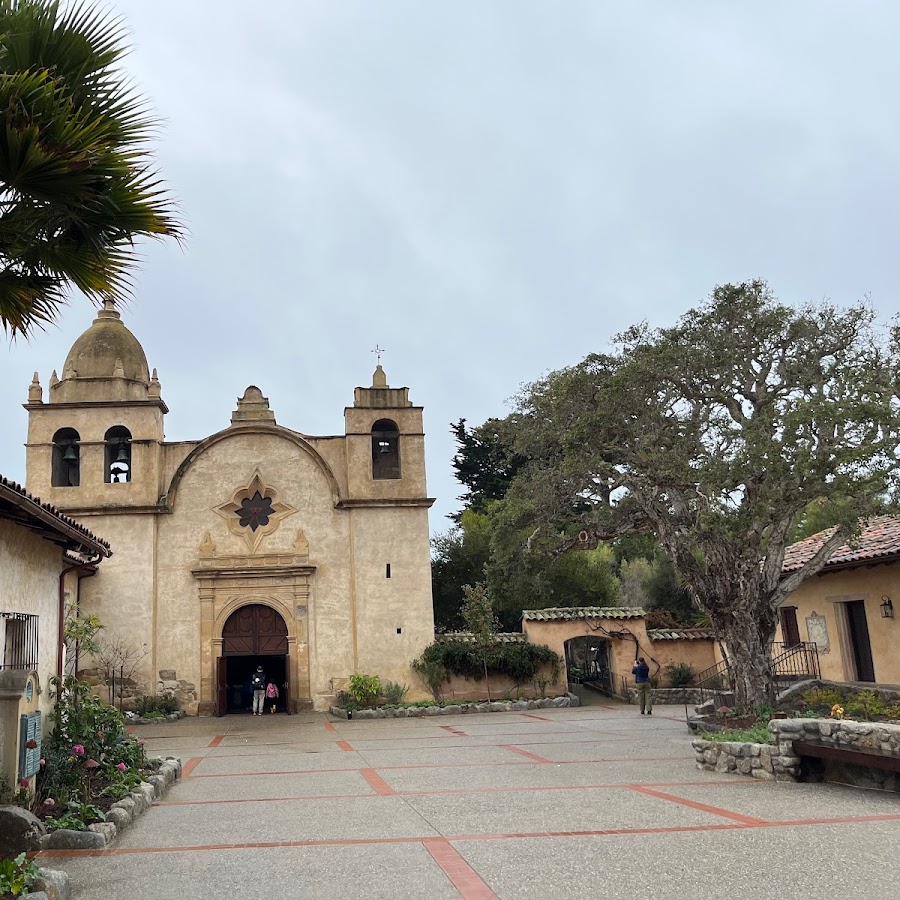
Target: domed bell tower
[94, 445]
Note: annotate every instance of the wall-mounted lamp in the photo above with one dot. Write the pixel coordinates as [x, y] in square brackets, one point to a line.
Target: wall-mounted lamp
[887, 608]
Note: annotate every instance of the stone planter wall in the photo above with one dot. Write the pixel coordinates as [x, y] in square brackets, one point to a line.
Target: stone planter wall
[684, 696]
[777, 762]
[119, 816]
[134, 719]
[457, 709]
[762, 761]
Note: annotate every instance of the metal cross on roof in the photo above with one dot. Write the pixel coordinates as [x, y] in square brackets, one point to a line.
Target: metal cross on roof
[378, 351]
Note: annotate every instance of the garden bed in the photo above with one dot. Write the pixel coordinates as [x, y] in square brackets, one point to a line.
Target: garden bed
[455, 709]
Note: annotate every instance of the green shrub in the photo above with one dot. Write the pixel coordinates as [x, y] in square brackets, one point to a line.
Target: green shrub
[756, 734]
[822, 698]
[364, 689]
[394, 693]
[681, 675]
[153, 706]
[85, 729]
[521, 662]
[17, 876]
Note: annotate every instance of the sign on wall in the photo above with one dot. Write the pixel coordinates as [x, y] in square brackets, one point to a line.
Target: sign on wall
[817, 630]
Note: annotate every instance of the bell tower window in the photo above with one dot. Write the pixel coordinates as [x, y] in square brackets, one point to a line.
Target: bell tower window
[66, 465]
[117, 455]
[385, 450]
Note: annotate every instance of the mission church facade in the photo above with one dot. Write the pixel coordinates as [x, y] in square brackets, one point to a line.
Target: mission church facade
[256, 545]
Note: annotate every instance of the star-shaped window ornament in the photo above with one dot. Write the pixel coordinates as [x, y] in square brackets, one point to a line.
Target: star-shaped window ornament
[254, 511]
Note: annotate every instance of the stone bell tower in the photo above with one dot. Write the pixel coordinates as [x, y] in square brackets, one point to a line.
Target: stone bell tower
[94, 445]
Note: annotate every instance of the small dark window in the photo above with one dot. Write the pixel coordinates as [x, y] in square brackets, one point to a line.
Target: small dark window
[385, 449]
[387, 570]
[117, 455]
[399, 631]
[66, 465]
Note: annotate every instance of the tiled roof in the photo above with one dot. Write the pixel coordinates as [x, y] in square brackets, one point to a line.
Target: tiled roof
[17, 505]
[880, 540]
[583, 612]
[680, 634]
[504, 637]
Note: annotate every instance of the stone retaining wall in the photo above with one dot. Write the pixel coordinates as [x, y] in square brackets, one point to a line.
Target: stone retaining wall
[778, 762]
[684, 696]
[457, 709]
[119, 816]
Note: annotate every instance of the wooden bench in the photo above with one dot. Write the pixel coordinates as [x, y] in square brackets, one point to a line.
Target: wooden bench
[866, 759]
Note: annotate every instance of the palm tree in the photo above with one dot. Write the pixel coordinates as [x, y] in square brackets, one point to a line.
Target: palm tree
[77, 184]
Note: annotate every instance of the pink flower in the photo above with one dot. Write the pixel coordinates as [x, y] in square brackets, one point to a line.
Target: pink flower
[49, 801]
[78, 749]
[43, 762]
[121, 767]
[25, 783]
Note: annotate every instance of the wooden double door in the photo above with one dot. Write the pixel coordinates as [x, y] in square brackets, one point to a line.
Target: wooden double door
[254, 633]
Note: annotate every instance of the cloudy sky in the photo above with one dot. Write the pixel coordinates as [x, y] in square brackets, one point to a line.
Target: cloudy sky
[489, 190]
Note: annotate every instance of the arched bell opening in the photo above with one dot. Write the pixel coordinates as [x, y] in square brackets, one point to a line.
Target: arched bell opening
[66, 463]
[117, 455]
[385, 450]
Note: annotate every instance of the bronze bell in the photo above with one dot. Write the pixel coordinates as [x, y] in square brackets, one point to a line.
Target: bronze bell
[122, 455]
[71, 454]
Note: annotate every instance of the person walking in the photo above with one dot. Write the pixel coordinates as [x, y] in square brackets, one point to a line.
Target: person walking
[258, 683]
[641, 672]
[272, 695]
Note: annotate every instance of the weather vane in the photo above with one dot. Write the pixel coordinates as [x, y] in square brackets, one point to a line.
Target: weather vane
[378, 351]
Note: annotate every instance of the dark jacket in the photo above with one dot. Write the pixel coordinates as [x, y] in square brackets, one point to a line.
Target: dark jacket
[641, 672]
[258, 681]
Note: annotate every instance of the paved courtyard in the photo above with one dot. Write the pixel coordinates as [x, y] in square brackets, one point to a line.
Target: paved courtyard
[595, 802]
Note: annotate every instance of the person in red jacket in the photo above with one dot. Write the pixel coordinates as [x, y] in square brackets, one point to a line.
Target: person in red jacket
[272, 695]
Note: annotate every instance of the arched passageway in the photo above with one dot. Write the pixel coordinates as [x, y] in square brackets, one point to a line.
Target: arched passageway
[253, 635]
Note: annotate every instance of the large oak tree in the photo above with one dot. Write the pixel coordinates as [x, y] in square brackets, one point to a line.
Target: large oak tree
[717, 434]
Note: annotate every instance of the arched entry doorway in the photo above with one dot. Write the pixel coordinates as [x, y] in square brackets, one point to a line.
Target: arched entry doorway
[253, 635]
[588, 660]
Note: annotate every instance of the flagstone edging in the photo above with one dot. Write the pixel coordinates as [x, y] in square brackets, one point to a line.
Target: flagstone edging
[457, 709]
[120, 815]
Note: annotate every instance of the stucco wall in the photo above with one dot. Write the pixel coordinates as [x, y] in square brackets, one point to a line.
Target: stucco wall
[659, 654]
[823, 595]
[29, 583]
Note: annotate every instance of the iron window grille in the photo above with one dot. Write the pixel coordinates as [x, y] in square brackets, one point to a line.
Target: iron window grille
[20, 640]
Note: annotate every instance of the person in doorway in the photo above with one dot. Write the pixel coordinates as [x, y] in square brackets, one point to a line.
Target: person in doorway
[258, 681]
[272, 696]
[641, 672]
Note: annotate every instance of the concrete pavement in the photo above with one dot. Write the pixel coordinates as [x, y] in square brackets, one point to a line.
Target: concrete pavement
[594, 802]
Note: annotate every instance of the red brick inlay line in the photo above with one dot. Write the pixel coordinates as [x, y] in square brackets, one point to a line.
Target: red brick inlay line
[216, 740]
[348, 842]
[703, 807]
[462, 876]
[453, 730]
[329, 727]
[532, 756]
[542, 718]
[190, 765]
[344, 745]
[382, 788]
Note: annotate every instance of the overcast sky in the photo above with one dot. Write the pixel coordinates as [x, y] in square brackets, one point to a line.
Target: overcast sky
[489, 190]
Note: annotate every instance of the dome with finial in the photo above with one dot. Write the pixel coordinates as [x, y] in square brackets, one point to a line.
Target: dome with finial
[106, 362]
[105, 345]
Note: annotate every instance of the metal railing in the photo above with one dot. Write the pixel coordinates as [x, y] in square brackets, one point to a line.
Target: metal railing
[20, 640]
[794, 663]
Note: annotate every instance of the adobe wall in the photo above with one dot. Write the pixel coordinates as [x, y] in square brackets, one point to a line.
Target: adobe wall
[822, 597]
